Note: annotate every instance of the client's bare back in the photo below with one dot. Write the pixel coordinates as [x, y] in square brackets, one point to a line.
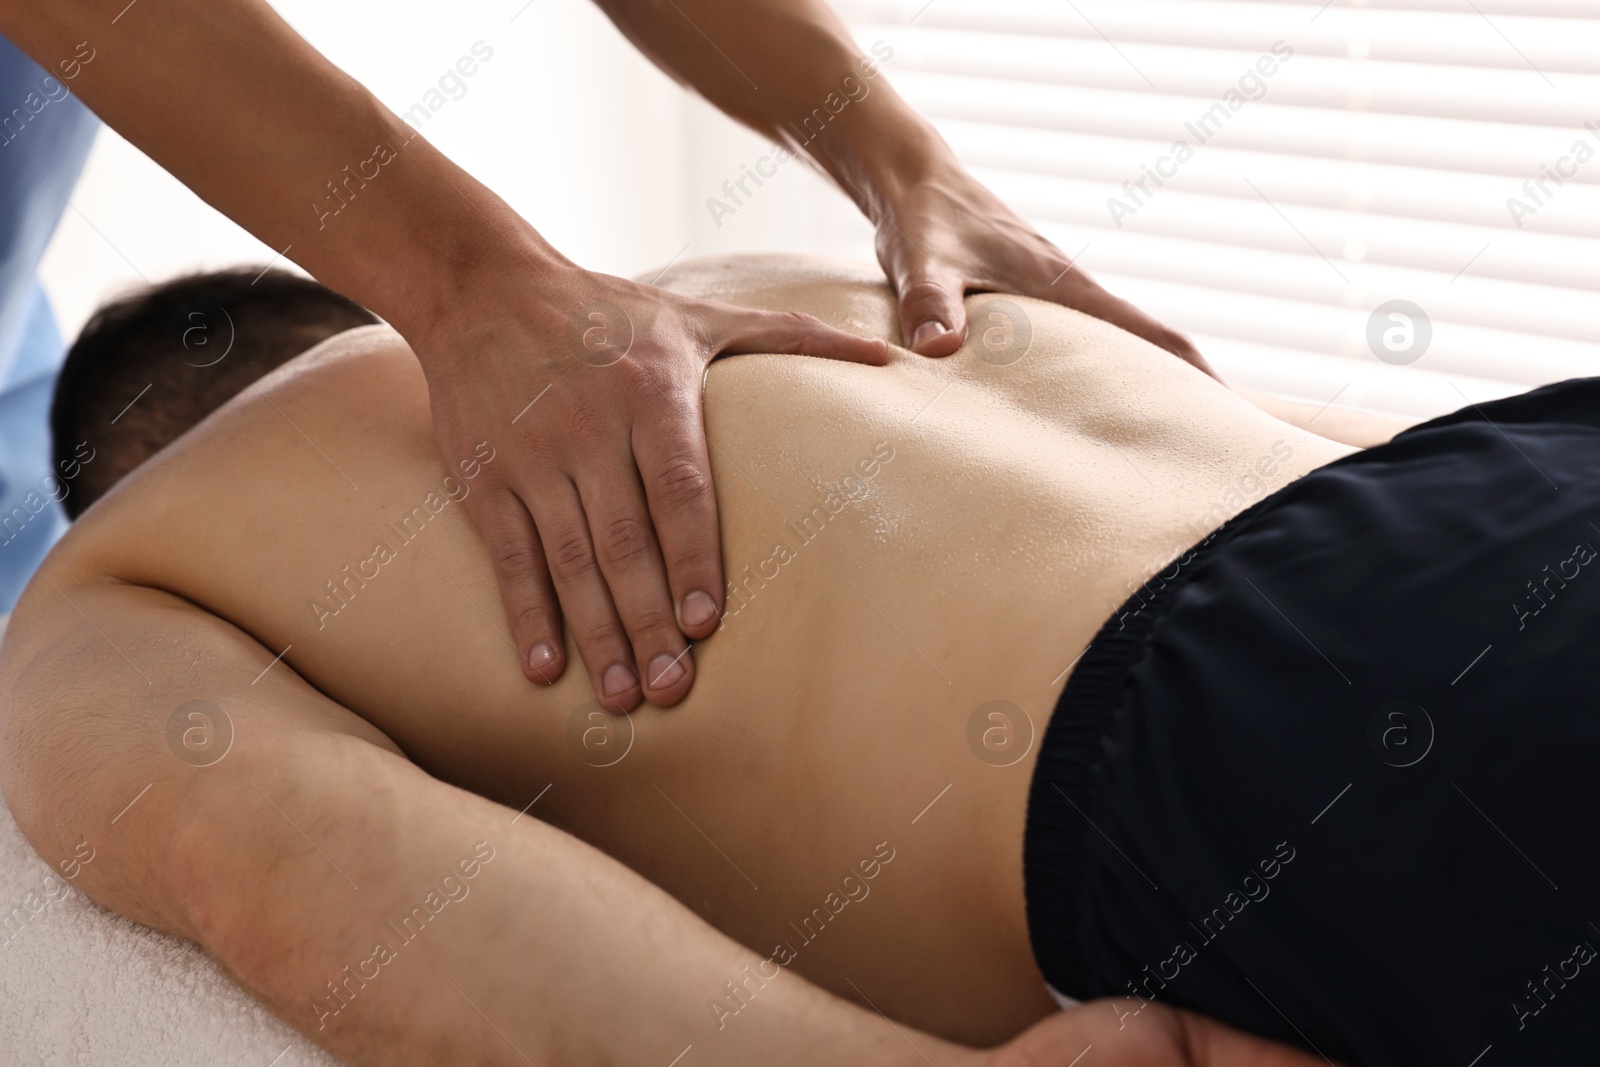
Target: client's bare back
[912, 551]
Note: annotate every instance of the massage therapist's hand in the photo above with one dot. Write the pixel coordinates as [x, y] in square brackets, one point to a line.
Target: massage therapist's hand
[599, 495]
[946, 234]
[1126, 1034]
[939, 232]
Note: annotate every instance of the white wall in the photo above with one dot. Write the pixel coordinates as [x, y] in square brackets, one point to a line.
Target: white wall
[607, 157]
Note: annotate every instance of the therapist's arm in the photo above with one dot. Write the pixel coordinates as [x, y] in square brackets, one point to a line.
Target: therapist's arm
[790, 70]
[589, 384]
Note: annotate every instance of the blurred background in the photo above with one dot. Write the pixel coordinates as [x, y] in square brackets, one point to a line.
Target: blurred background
[1402, 215]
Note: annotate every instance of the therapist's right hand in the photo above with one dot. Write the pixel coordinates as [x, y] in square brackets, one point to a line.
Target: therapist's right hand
[598, 505]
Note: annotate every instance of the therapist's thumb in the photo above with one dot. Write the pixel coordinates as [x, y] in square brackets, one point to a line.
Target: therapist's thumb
[933, 320]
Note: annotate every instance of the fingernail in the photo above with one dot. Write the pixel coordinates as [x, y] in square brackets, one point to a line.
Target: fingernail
[927, 332]
[617, 679]
[698, 608]
[665, 670]
[541, 656]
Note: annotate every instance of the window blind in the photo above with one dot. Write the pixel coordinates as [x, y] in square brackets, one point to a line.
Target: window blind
[1393, 205]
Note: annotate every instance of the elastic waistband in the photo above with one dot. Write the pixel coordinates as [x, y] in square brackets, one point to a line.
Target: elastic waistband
[1057, 819]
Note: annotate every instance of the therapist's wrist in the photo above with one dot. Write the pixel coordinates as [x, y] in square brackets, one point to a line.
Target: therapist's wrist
[471, 261]
[877, 160]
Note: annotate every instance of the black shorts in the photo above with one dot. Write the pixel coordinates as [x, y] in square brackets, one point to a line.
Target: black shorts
[1334, 777]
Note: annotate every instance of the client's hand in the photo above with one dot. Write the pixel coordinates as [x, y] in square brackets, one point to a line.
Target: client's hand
[599, 493]
[1123, 1034]
[946, 234]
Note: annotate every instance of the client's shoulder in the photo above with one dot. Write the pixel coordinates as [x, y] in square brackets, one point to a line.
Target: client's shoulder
[311, 426]
[196, 410]
[371, 361]
[355, 384]
[378, 340]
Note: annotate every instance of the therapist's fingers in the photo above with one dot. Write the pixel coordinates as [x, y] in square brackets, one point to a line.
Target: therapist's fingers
[791, 333]
[569, 546]
[525, 588]
[933, 319]
[629, 559]
[676, 470]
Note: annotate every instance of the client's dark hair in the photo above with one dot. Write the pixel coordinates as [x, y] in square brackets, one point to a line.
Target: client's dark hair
[153, 363]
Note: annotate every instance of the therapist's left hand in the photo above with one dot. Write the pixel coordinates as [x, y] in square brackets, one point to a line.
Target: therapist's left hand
[945, 234]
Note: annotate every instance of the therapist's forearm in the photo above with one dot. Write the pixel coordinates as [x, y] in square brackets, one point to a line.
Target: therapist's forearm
[226, 96]
[771, 64]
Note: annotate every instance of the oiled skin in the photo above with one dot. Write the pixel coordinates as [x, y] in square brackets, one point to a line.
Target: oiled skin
[1021, 503]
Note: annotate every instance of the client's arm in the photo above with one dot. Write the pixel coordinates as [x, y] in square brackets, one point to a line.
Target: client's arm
[392, 918]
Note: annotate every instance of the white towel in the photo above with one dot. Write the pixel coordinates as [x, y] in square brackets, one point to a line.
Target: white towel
[80, 985]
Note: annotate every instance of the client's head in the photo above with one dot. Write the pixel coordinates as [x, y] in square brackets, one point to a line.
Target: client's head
[153, 363]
